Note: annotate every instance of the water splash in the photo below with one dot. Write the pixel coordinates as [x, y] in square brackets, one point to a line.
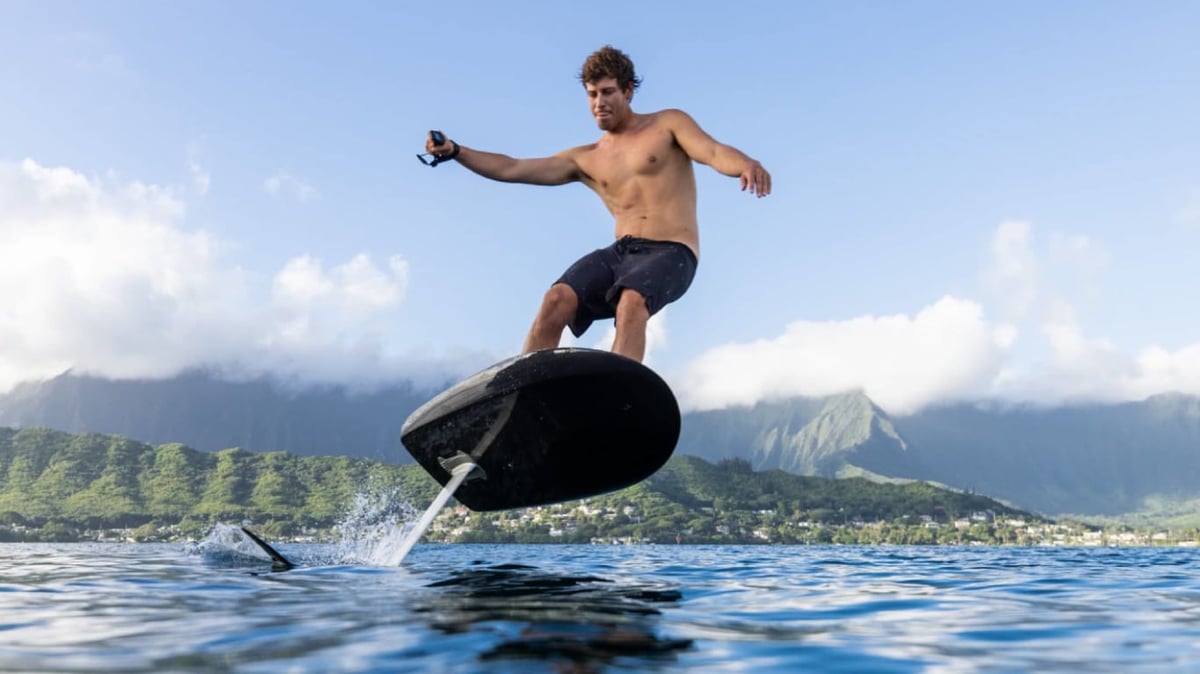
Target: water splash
[226, 545]
[380, 529]
[374, 528]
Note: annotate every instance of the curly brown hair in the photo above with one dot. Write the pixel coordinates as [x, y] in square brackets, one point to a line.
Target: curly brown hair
[609, 61]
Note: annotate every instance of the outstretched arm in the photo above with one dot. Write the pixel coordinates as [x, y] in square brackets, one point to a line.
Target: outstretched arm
[558, 169]
[725, 159]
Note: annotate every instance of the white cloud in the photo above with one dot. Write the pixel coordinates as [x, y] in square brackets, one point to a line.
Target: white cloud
[313, 306]
[1086, 369]
[1031, 284]
[946, 351]
[1012, 276]
[1159, 370]
[284, 184]
[950, 351]
[1081, 368]
[98, 275]
[1074, 366]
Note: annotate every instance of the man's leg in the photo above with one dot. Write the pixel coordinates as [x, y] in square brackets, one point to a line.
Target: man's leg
[558, 308]
[632, 316]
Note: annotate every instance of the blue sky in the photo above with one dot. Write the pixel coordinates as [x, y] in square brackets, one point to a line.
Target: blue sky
[971, 200]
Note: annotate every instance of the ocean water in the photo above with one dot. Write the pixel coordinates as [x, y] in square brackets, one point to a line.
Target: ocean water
[507, 608]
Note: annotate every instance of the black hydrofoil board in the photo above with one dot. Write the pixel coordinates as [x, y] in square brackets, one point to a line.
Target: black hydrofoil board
[546, 427]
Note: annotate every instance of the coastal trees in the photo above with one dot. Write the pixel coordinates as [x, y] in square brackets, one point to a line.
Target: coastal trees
[92, 481]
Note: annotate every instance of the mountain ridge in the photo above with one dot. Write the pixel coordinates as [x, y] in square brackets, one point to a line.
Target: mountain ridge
[202, 410]
[60, 486]
[1090, 459]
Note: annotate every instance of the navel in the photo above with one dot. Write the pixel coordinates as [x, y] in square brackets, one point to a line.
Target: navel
[653, 158]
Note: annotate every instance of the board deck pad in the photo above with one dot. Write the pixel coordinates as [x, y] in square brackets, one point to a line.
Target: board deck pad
[548, 426]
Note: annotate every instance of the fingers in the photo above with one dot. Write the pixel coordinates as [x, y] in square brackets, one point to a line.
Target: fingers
[757, 180]
[433, 147]
[764, 183]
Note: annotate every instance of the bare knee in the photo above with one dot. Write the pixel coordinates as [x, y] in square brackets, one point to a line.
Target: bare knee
[632, 309]
[559, 304]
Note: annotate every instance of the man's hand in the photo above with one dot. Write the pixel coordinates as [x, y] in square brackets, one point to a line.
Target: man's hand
[445, 148]
[756, 179]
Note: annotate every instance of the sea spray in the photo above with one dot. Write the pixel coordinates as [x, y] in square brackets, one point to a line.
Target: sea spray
[226, 545]
[370, 533]
[374, 528]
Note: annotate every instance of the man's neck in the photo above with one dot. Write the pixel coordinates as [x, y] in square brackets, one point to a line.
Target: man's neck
[624, 125]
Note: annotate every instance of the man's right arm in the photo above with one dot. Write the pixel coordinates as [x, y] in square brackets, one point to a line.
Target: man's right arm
[558, 169]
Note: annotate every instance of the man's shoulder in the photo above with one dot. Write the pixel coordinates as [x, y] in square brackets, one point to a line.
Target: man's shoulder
[671, 115]
[573, 152]
[671, 118]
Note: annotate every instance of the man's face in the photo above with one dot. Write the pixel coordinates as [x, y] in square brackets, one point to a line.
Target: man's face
[609, 104]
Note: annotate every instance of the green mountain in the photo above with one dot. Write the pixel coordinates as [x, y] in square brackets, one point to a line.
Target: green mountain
[103, 481]
[1090, 459]
[59, 483]
[1094, 459]
[734, 484]
[1110, 459]
[825, 436]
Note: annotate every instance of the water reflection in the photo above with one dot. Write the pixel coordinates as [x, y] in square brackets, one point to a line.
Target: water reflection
[574, 623]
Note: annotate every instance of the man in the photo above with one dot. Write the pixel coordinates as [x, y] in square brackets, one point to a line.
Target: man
[642, 168]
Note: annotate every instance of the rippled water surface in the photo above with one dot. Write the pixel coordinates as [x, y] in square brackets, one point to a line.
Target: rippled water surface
[469, 608]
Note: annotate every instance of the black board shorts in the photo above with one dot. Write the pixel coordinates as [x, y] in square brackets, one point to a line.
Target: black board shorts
[661, 271]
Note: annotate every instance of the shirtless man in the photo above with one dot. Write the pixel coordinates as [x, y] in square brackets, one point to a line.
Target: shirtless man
[642, 168]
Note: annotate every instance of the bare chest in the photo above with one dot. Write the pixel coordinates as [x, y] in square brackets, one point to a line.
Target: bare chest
[613, 165]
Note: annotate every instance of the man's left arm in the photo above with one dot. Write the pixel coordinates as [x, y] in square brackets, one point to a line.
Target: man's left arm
[724, 159]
